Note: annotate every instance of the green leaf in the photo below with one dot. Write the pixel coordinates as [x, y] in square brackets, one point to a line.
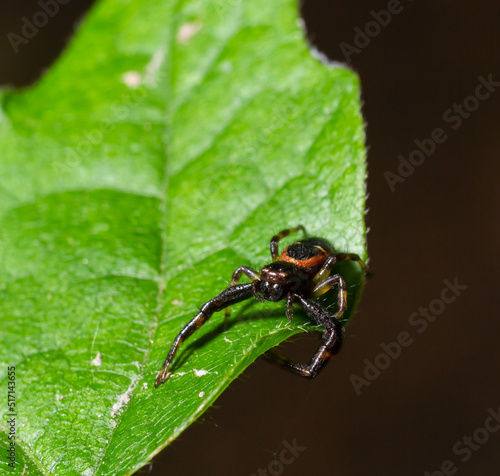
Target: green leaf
[163, 150]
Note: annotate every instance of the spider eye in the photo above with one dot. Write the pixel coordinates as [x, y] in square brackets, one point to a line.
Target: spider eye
[272, 291]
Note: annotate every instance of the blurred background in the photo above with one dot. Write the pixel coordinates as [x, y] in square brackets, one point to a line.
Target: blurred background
[379, 408]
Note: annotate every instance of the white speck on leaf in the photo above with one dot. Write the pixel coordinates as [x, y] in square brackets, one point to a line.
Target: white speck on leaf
[132, 79]
[150, 77]
[123, 399]
[188, 30]
[59, 397]
[201, 394]
[97, 361]
[177, 303]
[200, 373]
[145, 386]
[227, 340]
[137, 364]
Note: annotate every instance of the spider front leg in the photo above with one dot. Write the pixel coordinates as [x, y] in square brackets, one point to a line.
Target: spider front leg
[251, 273]
[276, 238]
[229, 296]
[333, 337]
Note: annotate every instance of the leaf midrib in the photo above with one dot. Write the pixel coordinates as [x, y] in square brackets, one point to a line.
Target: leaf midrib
[162, 281]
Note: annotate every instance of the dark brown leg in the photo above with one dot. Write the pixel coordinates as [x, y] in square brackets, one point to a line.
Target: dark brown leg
[326, 269]
[327, 350]
[353, 257]
[251, 273]
[229, 296]
[289, 308]
[276, 238]
[328, 284]
[333, 337]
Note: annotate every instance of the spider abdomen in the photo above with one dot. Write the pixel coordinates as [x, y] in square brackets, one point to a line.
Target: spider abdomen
[310, 253]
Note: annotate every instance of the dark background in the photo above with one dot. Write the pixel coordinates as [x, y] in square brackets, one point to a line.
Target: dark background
[441, 223]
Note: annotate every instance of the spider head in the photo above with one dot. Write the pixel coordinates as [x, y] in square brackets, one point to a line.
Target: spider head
[278, 279]
[271, 291]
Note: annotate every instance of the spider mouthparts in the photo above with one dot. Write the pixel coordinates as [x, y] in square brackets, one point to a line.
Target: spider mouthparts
[256, 294]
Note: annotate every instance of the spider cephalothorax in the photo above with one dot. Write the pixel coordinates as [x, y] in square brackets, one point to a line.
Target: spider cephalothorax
[301, 273]
[279, 279]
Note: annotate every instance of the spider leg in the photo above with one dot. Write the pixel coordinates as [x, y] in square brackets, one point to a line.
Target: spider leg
[332, 341]
[325, 270]
[329, 283]
[353, 257]
[327, 267]
[276, 238]
[289, 308]
[229, 296]
[251, 273]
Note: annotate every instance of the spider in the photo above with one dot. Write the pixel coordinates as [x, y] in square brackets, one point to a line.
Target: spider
[300, 274]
